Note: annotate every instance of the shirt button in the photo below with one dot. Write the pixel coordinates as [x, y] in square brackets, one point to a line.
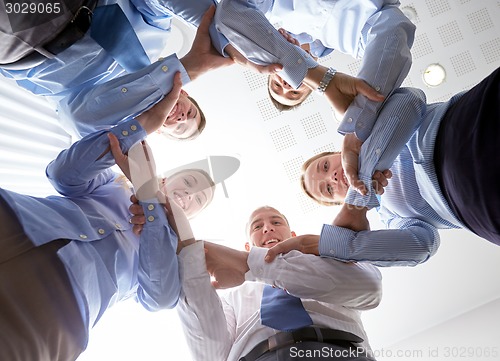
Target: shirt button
[118, 226]
[269, 31]
[377, 88]
[378, 151]
[161, 58]
[332, 251]
[124, 132]
[151, 218]
[83, 236]
[101, 231]
[349, 120]
[133, 127]
[299, 61]
[151, 207]
[164, 68]
[124, 90]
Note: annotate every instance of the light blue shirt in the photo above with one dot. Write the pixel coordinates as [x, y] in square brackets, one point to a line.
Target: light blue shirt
[105, 260]
[80, 73]
[412, 206]
[374, 30]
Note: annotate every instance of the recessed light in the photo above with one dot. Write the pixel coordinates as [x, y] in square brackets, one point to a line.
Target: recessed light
[434, 75]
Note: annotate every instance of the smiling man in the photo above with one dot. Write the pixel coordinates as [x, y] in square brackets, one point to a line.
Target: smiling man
[228, 326]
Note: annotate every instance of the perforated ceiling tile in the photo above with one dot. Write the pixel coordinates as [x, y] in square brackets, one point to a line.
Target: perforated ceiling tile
[354, 67]
[450, 33]
[491, 50]
[464, 1]
[463, 63]
[255, 80]
[330, 147]
[480, 21]
[283, 138]
[267, 109]
[437, 7]
[307, 205]
[313, 125]
[421, 46]
[293, 168]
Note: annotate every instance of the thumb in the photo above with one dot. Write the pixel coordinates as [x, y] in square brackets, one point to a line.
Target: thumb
[363, 88]
[115, 147]
[206, 20]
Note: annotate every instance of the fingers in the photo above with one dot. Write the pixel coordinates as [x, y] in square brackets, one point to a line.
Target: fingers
[176, 89]
[115, 147]
[274, 251]
[363, 88]
[206, 20]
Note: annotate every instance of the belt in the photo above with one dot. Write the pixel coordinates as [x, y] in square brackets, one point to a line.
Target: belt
[283, 339]
[74, 31]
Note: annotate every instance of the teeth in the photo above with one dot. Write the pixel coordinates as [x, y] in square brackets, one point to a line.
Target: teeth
[271, 241]
[180, 201]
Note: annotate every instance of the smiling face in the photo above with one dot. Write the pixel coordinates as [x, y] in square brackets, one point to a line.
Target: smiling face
[267, 227]
[190, 189]
[324, 179]
[283, 93]
[184, 119]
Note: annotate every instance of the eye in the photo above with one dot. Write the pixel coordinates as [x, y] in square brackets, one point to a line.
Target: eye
[325, 166]
[276, 223]
[190, 111]
[277, 85]
[198, 200]
[256, 227]
[187, 182]
[295, 92]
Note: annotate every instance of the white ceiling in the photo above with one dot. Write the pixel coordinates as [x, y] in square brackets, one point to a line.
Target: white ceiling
[461, 35]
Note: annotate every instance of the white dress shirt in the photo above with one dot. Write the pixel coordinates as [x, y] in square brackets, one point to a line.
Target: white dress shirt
[226, 326]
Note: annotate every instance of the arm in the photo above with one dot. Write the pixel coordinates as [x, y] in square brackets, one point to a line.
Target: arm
[386, 63]
[305, 276]
[109, 103]
[201, 312]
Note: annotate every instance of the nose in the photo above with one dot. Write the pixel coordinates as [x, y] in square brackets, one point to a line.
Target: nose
[268, 228]
[286, 85]
[181, 117]
[335, 176]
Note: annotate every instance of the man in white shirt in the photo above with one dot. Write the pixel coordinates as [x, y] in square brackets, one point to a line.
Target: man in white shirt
[227, 326]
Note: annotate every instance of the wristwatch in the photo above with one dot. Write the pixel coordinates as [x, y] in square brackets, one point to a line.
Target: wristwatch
[323, 84]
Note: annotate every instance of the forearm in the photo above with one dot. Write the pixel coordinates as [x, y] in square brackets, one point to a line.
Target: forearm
[200, 309]
[248, 30]
[104, 105]
[158, 272]
[409, 242]
[396, 124]
[386, 63]
[82, 167]
[308, 276]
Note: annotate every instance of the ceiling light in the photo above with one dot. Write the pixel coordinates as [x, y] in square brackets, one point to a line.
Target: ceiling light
[434, 75]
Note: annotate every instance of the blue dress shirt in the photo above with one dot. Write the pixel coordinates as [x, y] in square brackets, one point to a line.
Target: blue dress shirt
[412, 206]
[374, 30]
[80, 73]
[105, 260]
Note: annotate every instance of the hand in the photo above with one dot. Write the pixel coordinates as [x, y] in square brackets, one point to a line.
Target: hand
[240, 59]
[121, 159]
[138, 219]
[152, 120]
[227, 265]
[307, 243]
[343, 89]
[288, 37]
[202, 56]
[353, 218]
[351, 147]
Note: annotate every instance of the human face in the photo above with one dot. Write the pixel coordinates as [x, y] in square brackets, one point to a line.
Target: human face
[184, 119]
[190, 190]
[268, 227]
[325, 179]
[283, 92]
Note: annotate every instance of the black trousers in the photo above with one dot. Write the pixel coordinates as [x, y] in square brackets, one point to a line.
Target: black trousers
[467, 158]
[315, 351]
[39, 315]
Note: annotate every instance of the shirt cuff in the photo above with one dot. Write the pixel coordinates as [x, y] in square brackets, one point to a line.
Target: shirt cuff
[163, 71]
[256, 263]
[128, 133]
[192, 261]
[334, 242]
